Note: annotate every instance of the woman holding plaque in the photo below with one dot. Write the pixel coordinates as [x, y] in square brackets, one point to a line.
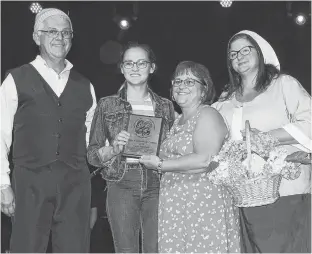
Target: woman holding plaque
[278, 105]
[195, 216]
[133, 191]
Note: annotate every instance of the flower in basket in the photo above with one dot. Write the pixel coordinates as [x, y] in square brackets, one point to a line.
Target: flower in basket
[229, 165]
[251, 169]
[265, 159]
[257, 164]
[277, 164]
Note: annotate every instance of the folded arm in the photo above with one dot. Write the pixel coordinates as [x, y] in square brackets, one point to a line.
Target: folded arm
[208, 137]
[298, 108]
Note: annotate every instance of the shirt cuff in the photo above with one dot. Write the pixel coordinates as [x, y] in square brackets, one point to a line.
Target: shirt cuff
[5, 181]
[100, 152]
[297, 134]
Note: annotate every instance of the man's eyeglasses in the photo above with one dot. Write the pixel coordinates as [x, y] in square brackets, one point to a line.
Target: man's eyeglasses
[187, 82]
[243, 51]
[66, 34]
[141, 64]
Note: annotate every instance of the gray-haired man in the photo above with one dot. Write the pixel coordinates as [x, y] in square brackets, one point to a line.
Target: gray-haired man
[48, 107]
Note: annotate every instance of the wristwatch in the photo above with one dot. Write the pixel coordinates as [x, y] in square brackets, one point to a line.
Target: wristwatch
[159, 166]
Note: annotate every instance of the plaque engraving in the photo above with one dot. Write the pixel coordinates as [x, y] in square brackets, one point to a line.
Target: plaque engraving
[145, 136]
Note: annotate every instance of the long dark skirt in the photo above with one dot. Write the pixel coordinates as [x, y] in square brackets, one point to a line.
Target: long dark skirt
[284, 226]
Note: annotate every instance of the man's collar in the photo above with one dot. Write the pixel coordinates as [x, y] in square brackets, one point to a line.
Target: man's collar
[39, 60]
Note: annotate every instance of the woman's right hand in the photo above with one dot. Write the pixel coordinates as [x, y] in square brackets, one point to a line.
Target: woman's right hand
[120, 141]
[299, 157]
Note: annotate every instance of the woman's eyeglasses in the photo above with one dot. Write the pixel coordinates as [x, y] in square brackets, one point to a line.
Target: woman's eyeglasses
[141, 64]
[243, 51]
[187, 82]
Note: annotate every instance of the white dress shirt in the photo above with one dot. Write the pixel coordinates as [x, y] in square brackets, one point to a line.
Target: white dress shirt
[9, 103]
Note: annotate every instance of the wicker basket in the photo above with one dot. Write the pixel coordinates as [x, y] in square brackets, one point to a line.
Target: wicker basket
[258, 191]
[255, 192]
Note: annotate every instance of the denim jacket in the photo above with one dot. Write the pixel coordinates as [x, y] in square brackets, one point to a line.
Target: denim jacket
[110, 117]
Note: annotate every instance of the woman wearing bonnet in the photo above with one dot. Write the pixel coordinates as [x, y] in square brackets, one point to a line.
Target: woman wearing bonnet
[277, 104]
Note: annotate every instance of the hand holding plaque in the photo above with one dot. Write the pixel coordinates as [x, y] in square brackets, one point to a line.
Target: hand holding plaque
[120, 141]
[145, 136]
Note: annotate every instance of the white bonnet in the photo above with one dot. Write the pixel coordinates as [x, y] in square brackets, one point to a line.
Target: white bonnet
[268, 52]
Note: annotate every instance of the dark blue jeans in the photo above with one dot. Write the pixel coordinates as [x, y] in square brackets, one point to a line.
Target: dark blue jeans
[132, 205]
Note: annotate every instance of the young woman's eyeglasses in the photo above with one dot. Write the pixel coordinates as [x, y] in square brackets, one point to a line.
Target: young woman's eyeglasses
[67, 34]
[243, 51]
[187, 82]
[141, 64]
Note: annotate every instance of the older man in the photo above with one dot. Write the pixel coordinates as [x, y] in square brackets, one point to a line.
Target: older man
[46, 109]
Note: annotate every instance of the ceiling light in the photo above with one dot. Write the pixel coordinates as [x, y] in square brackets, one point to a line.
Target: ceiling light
[35, 7]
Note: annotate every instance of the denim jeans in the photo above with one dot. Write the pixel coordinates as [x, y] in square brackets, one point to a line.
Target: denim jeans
[132, 205]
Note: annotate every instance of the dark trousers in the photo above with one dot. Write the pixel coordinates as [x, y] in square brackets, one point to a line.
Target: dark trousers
[53, 198]
[101, 240]
[281, 227]
[132, 206]
[5, 233]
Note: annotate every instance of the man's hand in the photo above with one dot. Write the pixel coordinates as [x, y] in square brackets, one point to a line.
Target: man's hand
[93, 217]
[7, 201]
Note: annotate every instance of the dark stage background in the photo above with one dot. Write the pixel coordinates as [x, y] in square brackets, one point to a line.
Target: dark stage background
[177, 31]
[197, 31]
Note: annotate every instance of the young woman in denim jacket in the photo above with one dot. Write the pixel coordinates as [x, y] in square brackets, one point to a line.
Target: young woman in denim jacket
[133, 191]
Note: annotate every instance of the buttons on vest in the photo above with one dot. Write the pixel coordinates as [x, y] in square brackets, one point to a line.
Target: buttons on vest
[57, 135]
[77, 101]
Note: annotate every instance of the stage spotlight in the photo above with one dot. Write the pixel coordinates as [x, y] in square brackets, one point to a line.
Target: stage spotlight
[301, 19]
[125, 14]
[124, 23]
[35, 7]
[299, 12]
[226, 3]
